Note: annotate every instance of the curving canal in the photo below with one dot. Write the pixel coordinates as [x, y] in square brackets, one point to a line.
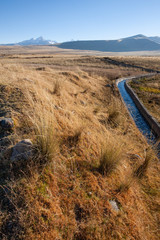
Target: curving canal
[142, 125]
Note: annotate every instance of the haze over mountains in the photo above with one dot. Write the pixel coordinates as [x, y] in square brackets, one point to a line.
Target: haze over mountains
[129, 44]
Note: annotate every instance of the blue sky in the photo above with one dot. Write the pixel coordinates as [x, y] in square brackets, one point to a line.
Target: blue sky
[64, 20]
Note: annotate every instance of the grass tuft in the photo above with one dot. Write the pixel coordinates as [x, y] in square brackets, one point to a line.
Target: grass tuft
[46, 139]
[142, 169]
[110, 157]
[57, 88]
[115, 113]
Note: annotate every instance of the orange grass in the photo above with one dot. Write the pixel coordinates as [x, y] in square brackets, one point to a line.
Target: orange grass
[66, 196]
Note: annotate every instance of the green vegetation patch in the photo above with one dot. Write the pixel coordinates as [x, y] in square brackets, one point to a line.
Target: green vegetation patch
[149, 89]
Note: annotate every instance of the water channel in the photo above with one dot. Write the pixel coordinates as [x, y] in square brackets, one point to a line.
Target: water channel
[141, 123]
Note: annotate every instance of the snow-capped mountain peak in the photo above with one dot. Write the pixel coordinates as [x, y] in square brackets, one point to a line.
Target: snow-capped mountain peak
[36, 41]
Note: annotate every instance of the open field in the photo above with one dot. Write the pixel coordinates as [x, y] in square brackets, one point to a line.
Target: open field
[55, 50]
[148, 91]
[152, 62]
[86, 153]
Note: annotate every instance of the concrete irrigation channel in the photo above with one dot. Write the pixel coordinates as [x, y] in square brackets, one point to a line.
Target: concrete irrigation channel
[142, 118]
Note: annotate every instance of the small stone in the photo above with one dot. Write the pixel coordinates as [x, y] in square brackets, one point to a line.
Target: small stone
[90, 194]
[108, 85]
[82, 102]
[136, 155]
[22, 150]
[114, 205]
[6, 123]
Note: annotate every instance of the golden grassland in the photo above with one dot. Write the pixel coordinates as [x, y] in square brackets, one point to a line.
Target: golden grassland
[151, 62]
[148, 90]
[88, 152]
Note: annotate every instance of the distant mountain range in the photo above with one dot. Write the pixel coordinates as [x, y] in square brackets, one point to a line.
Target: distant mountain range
[129, 44]
[33, 41]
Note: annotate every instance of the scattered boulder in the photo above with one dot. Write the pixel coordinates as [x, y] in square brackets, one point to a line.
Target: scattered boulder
[6, 123]
[114, 205]
[22, 150]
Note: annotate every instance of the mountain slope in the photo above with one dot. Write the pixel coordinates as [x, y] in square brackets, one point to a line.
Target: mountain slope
[135, 43]
[155, 39]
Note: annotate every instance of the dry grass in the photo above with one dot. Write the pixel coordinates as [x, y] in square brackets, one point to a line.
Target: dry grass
[57, 88]
[111, 157]
[142, 169]
[46, 140]
[115, 113]
[62, 194]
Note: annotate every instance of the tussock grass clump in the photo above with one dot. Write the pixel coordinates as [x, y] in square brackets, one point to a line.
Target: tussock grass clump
[116, 114]
[43, 124]
[46, 139]
[127, 184]
[73, 139]
[57, 88]
[142, 169]
[110, 157]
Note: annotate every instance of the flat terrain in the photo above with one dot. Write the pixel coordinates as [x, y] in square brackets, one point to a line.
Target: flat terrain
[55, 50]
[91, 174]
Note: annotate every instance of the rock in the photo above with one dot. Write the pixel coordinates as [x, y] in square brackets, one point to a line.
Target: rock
[108, 85]
[5, 141]
[82, 102]
[114, 205]
[90, 194]
[137, 156]
[6, 123]
[22, 150]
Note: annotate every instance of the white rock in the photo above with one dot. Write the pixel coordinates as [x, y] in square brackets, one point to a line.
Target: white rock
[114, 205]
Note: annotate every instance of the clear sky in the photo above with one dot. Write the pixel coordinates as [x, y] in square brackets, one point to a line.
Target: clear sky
[65, 20]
